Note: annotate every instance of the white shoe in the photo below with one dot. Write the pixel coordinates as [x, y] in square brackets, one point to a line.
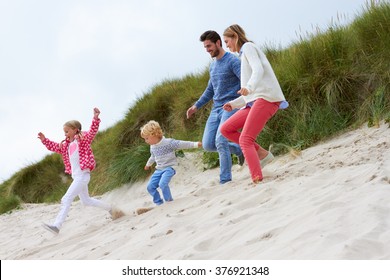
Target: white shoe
[268, 159]
[51, 228]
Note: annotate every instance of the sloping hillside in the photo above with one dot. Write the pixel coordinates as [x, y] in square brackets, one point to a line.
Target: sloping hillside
[330, 202]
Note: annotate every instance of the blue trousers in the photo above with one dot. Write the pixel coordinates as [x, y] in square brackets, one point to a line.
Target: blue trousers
[214, 141]
[161, 178]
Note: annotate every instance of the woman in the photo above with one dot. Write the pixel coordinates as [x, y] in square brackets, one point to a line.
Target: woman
[261, 96]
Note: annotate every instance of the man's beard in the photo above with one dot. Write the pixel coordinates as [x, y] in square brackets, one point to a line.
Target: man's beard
[215, 53]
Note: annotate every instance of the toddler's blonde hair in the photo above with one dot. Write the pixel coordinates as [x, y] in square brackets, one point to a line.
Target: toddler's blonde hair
[151, 128]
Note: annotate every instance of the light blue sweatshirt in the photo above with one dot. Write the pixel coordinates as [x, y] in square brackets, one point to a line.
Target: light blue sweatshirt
[224, 81]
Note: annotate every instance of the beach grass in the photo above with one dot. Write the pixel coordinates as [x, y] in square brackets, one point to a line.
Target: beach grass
[335, 79]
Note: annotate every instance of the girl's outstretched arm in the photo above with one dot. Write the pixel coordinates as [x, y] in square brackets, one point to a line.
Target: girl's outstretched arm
[50, 145]
[41, 136]
[96, 113]
[90, 135]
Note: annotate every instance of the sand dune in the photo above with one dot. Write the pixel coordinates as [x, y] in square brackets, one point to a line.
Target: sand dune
[330, 202]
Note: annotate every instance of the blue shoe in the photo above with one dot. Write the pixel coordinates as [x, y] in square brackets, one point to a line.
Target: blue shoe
[224, 182]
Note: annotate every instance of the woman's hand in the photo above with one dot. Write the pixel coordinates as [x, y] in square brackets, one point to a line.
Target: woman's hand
[227, 107]
[243, 91]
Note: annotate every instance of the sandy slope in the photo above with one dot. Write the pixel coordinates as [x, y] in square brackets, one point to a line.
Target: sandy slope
[331, 202]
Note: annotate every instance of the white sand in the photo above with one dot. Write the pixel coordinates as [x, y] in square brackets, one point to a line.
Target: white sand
[331, 202]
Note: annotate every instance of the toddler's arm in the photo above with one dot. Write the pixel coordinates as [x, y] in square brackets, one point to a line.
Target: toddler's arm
[180, 144]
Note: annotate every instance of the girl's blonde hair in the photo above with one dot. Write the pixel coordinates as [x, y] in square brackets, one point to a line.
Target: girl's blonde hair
[235, 31]
[73, 124]
[151, 128]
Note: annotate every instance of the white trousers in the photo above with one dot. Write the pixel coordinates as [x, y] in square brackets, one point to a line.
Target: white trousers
[79, 187]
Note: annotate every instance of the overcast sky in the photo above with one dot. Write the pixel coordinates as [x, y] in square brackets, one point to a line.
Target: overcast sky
[59, 59]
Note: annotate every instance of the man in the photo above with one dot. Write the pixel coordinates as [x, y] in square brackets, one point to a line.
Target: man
[222, 87]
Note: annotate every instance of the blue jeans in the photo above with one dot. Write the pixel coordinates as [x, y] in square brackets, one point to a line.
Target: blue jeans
[214, 141]
[161, 178]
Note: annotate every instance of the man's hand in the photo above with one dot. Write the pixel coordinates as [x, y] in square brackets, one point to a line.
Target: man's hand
[192, 110]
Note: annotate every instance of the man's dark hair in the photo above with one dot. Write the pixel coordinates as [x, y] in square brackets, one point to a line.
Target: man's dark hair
[210, 35]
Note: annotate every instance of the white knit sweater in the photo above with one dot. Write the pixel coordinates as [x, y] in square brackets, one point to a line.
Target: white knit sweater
[163, 153]
[258, 77]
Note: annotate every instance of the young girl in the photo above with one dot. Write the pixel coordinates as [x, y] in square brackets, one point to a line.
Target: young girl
[261, 96]
[162, 152]
[79, 161]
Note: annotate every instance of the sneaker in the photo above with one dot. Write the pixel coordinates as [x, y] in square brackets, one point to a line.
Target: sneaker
[241, 160]
[268, 159]
[257, 181]
[51, 228]
[224, 182]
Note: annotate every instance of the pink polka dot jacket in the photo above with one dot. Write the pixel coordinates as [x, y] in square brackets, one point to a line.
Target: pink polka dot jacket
[87, 159]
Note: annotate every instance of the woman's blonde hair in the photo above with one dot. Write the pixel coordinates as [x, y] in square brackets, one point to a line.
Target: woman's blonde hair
[151, 128]
[236, 31]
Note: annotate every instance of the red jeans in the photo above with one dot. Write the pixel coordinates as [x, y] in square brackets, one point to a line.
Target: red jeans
[252, 121]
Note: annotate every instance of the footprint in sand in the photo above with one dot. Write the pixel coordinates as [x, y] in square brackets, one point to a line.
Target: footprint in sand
[116, 214]
[266, 236]
[141, 211]
[205, 245]
[161, 234]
